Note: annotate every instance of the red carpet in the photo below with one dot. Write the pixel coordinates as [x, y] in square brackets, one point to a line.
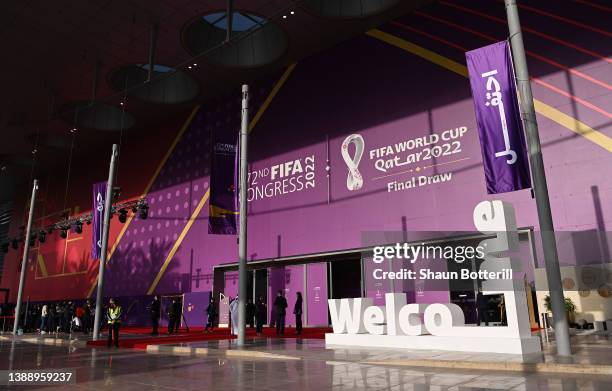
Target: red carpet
[196, 334]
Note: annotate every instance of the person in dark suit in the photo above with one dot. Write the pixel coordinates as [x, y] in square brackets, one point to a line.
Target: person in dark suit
[261, 311]
[211, 312]
[250, 313]
[174, 316]
[155, 311]
[297, 311]
[483, 308]
[177, 310]
[87, 321]
[280, 308]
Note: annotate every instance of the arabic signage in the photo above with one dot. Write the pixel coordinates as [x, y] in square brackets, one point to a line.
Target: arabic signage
[498, 118]
[99, 196]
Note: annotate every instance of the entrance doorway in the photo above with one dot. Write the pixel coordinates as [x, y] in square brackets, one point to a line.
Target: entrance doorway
[345, 281]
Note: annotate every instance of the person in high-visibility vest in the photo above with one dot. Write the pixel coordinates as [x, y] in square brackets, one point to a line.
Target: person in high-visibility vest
[114, 322]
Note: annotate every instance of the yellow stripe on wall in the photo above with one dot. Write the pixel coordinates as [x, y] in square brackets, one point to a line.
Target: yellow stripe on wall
[542, 108]
[574, 125]
[179, 241]
[41, 265]
[281, 81]
[146, 190]
[275, 89]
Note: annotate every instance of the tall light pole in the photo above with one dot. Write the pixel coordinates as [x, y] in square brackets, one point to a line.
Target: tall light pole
[540, 188]
[24, 261]
[108, 202]
[242, 235]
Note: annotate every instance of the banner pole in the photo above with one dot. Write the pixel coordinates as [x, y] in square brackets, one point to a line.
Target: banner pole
[540, 188]
[108, 202]
[242, 235]
[24, 261]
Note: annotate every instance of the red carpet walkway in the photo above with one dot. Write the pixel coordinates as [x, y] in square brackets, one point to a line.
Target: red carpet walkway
[197, 334]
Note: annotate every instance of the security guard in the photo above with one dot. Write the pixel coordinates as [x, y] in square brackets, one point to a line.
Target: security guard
[114, 322]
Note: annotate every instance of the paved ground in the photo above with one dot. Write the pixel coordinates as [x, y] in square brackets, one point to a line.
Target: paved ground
[289, 365]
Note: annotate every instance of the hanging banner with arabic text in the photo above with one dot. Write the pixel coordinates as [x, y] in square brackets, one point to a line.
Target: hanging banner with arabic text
[97, 212]
[498, 118]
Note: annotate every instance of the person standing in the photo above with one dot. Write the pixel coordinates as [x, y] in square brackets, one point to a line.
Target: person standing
[250, 313]
[280, 308]
[173, 317]
[80, 315]
[59, 317]
[260, 313]
[86, 317]
[68, 315]
[44, 315]
[482, 305]
[51, 326]
[233, 308]
[155, 311]
[297, 311]
[211, 312]
[177, 310]
[114, 322]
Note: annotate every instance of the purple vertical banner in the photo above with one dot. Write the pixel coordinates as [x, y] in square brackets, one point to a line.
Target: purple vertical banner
[223, 207]
[316, 294]
[498, 118]
[97, 212]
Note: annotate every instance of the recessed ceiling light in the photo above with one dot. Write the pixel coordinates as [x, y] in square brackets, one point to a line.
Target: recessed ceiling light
[284, 16]
[189, 67]
[292, 12]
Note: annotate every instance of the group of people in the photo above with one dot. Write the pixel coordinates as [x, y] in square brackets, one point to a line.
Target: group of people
[175, 311]
[67, 316]
[256, 314]
[60, 317]
[280, 313]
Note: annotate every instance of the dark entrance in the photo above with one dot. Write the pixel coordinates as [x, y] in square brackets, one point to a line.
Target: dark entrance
[345, 278]
[261, 284]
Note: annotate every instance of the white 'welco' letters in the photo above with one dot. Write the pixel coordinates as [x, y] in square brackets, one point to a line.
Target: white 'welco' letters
[398, 324]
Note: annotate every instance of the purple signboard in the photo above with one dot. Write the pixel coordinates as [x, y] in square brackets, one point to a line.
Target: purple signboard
[498, 118]
[316, 294]
[99, 197]
[194, 308]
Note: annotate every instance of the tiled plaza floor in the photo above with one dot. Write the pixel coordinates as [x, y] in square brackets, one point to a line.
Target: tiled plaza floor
[315, 368]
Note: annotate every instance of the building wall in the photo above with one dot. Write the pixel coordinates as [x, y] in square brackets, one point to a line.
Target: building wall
[404, 81]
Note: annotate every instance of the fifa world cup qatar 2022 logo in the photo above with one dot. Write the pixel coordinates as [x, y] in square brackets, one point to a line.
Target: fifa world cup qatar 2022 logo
[354, 180]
